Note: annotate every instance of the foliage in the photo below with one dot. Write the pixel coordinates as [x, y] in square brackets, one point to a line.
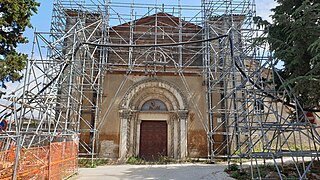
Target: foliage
[135, 160]
[89, 163]
[232, 167]
[294, 37]
[165, 160]
[14, 18]
[235, 172]
[241, 175]
[159, 160]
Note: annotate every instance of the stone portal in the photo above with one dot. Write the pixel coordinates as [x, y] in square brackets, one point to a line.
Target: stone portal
[153, 108]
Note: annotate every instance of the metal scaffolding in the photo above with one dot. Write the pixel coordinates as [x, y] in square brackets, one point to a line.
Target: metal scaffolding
[248, 120]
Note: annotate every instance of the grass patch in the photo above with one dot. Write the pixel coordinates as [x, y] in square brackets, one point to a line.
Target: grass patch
[160, 160]
[89, 163]
[135, 160]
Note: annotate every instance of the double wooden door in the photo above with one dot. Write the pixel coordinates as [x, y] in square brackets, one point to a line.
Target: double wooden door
[153, 140]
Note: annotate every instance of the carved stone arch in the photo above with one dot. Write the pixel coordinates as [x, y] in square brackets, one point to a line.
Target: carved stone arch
[176, 116]
[132, 93]
[160, 97]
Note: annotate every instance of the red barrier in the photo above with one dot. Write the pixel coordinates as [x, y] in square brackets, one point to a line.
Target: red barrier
[55, 161]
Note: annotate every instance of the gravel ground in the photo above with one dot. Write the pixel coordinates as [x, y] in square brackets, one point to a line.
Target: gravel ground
[165, 172]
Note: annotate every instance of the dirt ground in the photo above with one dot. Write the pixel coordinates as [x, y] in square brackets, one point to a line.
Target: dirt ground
[170, 171]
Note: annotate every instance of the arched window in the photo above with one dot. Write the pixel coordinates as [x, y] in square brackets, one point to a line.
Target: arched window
[154, 105]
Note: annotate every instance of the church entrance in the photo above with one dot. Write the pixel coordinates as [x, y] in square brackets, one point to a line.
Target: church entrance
[153, 140]
[153, 117]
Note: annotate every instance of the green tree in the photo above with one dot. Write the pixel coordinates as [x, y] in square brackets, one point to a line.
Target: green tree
[294, 37]
[14, 18]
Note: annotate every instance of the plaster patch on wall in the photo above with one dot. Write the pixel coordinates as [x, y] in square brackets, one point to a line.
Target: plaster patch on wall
[108, 149]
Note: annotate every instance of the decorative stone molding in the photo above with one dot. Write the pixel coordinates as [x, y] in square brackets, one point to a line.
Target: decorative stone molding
[183, 114]
[131, 118]
[125, 114]
[183, 128]
[134, 143]
[179, 140]
[157, 83]
[171, 148]
[123, 148]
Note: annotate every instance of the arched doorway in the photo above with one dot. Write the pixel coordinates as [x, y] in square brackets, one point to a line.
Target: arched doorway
[153, 107]
[153, 132]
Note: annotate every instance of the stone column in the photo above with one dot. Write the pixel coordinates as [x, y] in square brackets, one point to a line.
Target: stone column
[124, 133]
[183, 115]
[137, 145]
[134, 133]
[176, 136]
[171, 136]
[131, 140]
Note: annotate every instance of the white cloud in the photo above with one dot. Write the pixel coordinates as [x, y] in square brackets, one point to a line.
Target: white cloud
[264, 7]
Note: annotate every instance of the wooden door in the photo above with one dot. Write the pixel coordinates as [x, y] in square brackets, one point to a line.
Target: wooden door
[153, 140]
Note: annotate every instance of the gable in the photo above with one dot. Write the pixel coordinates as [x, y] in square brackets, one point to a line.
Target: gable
[161, 18]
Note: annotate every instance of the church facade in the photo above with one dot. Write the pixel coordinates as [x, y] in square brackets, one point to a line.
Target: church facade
[154, 98]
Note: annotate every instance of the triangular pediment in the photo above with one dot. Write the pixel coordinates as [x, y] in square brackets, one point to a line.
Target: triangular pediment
[160, 19]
